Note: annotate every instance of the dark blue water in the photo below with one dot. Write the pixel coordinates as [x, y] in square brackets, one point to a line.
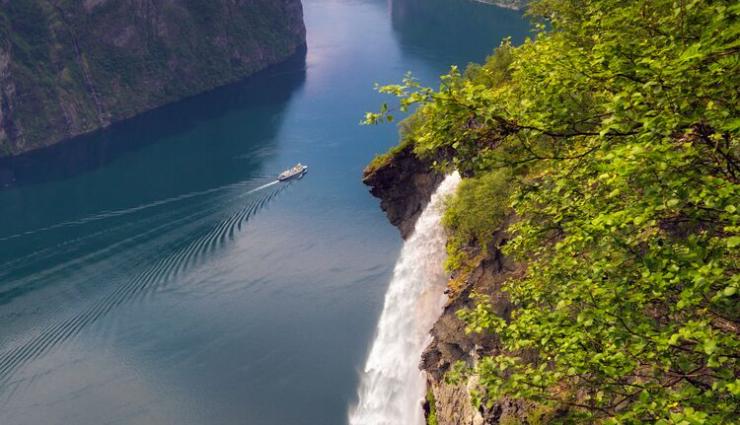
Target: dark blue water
[153, 274]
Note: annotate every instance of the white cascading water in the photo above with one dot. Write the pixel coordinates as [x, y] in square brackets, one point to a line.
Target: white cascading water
[392, 387]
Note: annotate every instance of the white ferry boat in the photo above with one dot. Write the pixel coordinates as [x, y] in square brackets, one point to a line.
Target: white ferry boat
[296, 172]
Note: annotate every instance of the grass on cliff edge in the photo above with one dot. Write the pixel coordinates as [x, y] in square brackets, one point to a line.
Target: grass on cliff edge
[380, 160]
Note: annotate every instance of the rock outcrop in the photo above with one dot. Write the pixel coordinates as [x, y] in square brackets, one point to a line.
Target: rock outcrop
[404, 185]
[450, 343]
[68, 68]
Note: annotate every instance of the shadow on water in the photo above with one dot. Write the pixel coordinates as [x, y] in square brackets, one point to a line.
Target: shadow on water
[92, 151]
[487, 24]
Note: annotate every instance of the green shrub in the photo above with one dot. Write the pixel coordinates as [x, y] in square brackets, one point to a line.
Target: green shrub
[474, 213]
[432, 416]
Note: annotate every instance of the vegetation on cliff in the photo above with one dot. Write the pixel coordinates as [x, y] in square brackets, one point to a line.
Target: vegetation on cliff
[69, 67]
[610, 141]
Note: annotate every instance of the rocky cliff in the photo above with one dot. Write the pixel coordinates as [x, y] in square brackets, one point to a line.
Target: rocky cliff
[404, 185]
[71, 67]
[451, 344]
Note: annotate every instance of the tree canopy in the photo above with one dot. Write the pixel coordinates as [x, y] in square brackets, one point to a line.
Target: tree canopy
[616, 128]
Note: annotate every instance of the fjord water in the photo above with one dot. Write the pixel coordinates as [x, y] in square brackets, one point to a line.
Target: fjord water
[154, 273]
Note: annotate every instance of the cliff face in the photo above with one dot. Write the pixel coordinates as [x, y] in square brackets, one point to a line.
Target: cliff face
[451, 344]
[404, 185]
[70, 67]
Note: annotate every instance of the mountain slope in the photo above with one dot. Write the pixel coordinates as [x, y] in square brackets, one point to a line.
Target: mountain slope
[70, 67]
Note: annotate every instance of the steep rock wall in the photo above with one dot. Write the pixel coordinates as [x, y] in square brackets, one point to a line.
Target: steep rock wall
[451, 344]
[404, 185]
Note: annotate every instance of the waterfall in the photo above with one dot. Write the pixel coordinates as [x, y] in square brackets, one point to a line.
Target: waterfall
[392, 387]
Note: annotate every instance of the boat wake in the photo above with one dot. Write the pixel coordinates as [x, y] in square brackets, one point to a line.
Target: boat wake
[183, 240]
[126, 211]
[391, 386]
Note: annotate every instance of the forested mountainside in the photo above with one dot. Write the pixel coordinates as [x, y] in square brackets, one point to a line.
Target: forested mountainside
[69, 67]
[593, 243]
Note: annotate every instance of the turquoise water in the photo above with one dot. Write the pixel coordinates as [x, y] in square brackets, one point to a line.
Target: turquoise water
[154, 273]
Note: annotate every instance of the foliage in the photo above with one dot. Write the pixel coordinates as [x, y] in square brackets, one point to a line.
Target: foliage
[432, 415]
[76, 67]
[382, 159]
[618, 125]
[481, 204]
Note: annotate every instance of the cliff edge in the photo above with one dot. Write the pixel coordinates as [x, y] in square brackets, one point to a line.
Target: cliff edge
[404, 184]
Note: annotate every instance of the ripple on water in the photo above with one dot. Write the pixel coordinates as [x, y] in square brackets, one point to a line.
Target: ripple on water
[183, 237]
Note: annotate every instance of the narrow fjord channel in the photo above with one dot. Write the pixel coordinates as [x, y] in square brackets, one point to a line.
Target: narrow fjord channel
[154, 273]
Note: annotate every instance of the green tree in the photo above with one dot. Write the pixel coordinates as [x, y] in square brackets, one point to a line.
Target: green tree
[618, 126]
